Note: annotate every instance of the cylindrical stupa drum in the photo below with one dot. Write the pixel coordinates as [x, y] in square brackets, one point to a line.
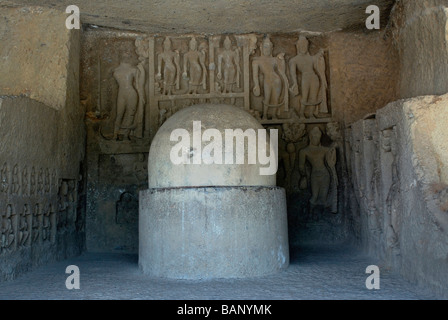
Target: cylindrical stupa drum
[212, 209]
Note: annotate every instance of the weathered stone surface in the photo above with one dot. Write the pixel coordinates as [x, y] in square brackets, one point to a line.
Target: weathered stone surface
[401, 185]
[163, 173]
[45, 224]
[361, 72]
[420, 34]
[214, 232]
[42, 144]
[364, 74]
[34, 59]
[237, 16]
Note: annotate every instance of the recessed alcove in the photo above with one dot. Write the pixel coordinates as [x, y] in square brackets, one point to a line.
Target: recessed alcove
[360, 115]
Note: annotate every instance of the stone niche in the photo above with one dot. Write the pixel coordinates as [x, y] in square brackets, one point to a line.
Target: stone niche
[133, 83]
[200, 220]
[292, 82]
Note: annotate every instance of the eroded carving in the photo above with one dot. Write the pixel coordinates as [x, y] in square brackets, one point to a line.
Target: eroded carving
[40, 181]
[131, 96]
[24, 226]
[313, 80]
[275, 82]
[292, 133]
[127, 209]
[169, 62]
[35, 224]
[195, 70]
[323, 172]
[229, 69]
[33, 181]
[25, 181]
[47, 224]
[392, 184]
[7, 229]
[15, 183]
[4, 178]
[47, 183]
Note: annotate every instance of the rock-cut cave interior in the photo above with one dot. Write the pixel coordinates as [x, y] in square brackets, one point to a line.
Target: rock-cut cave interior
[225, 149]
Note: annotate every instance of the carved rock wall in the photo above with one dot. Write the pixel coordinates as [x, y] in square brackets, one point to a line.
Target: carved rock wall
[399, 173]
[420, 36]
[291, 82]
[42, 141]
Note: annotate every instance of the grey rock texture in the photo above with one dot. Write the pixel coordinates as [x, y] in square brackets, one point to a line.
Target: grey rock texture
[420, 36]
[214, 232]
[315, 272]
[398, 163]
[237, 16]
[163, 173]
[42, 141]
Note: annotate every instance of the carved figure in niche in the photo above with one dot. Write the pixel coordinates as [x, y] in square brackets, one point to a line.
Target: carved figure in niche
[231, 69]
[15, 186]
[334, 133]
[4, 179]
[63, 205]
[33, 181]
[25, 181]
[195, 70]
[127, 209]
[131, 96]
[142, 50]
[292, 133]
[7, 230]
[54, 181]
[141, 169]
[392, 202]
[313, 79]
[323, 171]
[162, 117]
[47, 181]
[275, 81]
[40, 181]
[35, 223]
[24, 229]
[46, 224]
[170, 60]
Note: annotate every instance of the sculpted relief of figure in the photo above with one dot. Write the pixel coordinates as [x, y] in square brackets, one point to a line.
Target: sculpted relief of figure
[4, 179]
[131, 95]
[46, 224]
[15, 186]
[195, 70]
[7, 231]
[25, 182]
[169, 60]
[33, 181]
[40, 181]
[391, 184]
[229, 66]
[292, 133]
[313, 80]
[35, 223]
[47, 183]
[275, 81]
[323, 172]
[24, 230]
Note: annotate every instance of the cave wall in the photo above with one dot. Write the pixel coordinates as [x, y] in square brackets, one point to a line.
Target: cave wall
[359, 67]
[397, 156]
[398, 164]
[41, 124]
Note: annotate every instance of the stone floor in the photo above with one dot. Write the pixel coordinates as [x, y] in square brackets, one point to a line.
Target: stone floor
[314, 273]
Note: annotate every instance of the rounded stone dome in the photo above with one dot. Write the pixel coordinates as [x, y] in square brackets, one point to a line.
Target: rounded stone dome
[190, 150]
